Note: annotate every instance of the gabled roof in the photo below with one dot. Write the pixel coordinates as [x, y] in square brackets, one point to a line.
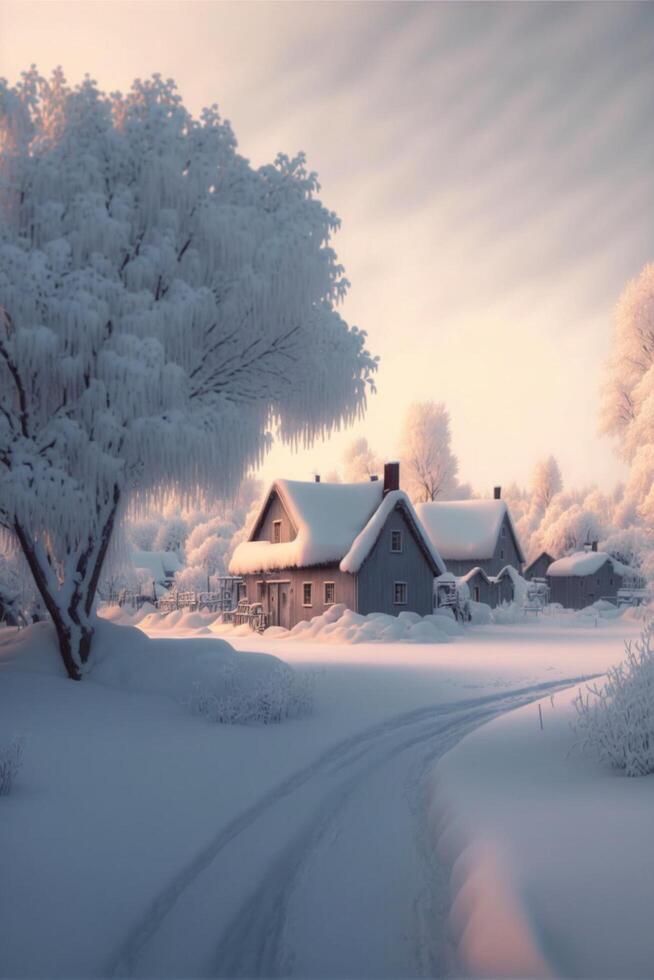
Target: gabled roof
[466, 529]
[473, 573]
[365, 541]
[543, 554]
[335, 522]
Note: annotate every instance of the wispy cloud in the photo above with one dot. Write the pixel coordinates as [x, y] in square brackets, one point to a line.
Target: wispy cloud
[492, 163]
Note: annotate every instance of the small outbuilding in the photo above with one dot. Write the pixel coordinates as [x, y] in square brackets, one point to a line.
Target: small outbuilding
[580, 579]
[491, 589]
[316, 544]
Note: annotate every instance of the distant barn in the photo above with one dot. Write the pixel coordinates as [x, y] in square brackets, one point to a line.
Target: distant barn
[472, 534]
[579, 580]
[315, 544]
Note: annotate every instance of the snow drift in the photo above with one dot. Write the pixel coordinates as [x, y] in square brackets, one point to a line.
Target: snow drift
[207, 676]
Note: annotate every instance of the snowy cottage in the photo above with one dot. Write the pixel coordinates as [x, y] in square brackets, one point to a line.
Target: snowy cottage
[579, 580]
[316, 544]
[472, 534]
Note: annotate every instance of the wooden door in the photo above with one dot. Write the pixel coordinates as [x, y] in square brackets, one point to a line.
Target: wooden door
[284, 608]
[273, 604]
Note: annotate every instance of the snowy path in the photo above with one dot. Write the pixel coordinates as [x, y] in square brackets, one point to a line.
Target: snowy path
[328, 874]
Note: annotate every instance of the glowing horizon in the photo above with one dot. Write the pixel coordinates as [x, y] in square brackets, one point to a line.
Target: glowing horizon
[490, 168]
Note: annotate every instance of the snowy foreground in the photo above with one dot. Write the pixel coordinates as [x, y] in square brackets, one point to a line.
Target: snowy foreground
[142, 840]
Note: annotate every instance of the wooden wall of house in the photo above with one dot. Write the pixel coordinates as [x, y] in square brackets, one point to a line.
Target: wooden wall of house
[505, 553]
[579, 591]
[344, 589]
[487, 591]
[383, 568]
[275, 512]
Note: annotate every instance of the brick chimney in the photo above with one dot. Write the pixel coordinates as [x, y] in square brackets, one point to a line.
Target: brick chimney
[317, 477]
[391, 477]
[497, 493]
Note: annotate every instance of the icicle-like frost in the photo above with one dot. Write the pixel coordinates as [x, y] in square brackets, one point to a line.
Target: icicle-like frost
[162, 305]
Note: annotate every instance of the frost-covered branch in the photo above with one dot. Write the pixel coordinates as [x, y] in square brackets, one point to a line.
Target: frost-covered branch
[165, 306]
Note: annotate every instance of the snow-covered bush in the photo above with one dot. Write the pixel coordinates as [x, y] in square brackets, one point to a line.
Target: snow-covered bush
[480, 613]
[616, 720]
[283, 693]
[11, 759]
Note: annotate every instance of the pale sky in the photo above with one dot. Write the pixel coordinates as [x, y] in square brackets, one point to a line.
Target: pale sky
[493, 167]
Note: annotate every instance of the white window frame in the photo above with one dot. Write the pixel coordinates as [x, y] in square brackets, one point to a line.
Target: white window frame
[277, 528]
[309, 604]
[399, 602]
[397, 551]
[325, 600]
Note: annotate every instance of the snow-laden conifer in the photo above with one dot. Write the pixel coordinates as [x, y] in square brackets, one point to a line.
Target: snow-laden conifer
[163, 305]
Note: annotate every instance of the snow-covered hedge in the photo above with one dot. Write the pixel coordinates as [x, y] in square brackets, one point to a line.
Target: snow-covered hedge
[11, 759]
[616, 720]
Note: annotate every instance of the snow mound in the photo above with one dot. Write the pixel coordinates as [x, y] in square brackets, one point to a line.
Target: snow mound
[341, 625]
[206, 675]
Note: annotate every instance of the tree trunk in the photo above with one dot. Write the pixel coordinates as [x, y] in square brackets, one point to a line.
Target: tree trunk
[70, 616]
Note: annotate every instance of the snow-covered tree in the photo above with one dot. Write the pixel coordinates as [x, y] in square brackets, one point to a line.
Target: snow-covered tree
[628, 395]
[360, 462]
[576, 527]
[546, 483]
[429, 466]
[171, 535]
[163, 306]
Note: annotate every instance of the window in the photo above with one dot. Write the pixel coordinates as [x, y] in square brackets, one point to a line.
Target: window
[330, 589]
[399, 593]
[503, 530]
[260, 587]
[597, 580]
[277, 532]
[307, 591]
[501, 552]
[396, 541]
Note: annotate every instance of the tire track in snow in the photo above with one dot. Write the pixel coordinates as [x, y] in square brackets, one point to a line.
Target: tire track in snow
[334, 761]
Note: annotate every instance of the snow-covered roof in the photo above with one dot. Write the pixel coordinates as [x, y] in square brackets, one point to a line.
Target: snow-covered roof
[477, 570]
[365, 541]
[587, 563]
[335, 522]
[464, 529]
[158, 564]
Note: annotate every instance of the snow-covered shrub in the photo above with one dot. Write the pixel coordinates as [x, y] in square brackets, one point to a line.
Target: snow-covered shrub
[11, 759]
[616, 720]
[480, 613]
[281, 694]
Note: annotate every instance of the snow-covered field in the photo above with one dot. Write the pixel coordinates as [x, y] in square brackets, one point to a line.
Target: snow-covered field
[141, 840]
[552, 852]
